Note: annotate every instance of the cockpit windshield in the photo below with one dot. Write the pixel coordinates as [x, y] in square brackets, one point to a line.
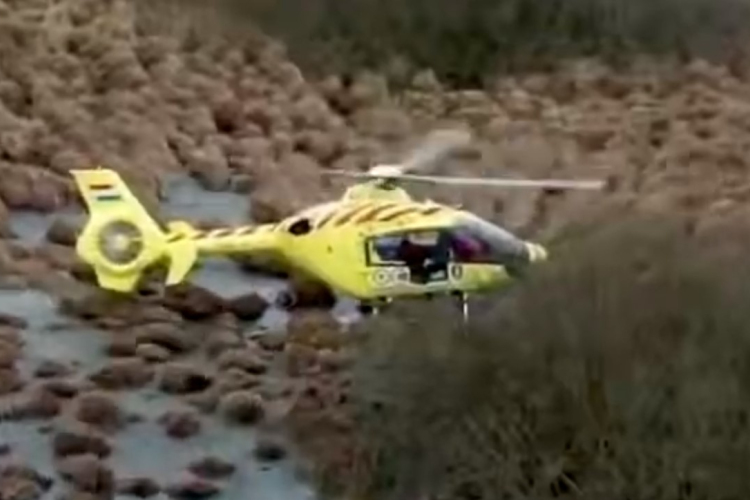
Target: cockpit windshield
[474, 240]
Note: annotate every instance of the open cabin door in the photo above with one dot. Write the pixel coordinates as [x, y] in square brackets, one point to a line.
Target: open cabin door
[420, 257]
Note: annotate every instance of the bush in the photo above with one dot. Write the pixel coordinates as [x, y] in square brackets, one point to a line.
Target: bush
[620, 370]
[466, 42]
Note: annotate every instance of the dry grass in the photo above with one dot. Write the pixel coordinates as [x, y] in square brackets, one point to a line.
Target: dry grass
[619, 371]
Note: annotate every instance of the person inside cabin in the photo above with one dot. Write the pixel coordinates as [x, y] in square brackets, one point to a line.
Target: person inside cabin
[425, 260]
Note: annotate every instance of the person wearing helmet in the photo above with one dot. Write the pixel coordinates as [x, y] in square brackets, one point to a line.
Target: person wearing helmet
[427, 261]
[414, 257]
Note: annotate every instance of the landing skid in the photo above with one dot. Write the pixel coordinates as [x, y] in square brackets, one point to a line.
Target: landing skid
[374, 308]
[463, 303]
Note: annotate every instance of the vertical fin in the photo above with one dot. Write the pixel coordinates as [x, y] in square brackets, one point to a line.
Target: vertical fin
[121, 239]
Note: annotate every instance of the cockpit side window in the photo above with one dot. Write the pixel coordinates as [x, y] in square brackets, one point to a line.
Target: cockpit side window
[386, 248]
[468, 248]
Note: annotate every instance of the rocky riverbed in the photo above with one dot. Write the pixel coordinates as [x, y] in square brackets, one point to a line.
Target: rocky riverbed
[182, 395]
[101, 395]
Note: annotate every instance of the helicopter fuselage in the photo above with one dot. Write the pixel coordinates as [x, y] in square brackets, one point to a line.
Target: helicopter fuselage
[360, 248]
[366, 247]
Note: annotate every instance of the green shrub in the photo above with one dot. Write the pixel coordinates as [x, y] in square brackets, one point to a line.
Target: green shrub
[620, 370]
[468, 42]
[465, 42]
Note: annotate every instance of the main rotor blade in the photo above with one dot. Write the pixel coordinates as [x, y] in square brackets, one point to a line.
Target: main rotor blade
[524, 183]
[346, 173]
[479, 181]
[437, 145]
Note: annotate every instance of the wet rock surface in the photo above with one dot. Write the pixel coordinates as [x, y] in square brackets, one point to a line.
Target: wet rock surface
[212, 468]
[138, 487]
[21, 482]
[144, 397]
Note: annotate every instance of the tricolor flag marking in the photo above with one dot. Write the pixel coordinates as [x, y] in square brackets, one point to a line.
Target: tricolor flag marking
[105, 192]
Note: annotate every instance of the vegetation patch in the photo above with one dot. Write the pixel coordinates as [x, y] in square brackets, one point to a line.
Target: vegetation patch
[620, 370]
[467, 42]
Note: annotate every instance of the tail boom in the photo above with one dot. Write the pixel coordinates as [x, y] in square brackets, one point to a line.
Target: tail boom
[121, 240]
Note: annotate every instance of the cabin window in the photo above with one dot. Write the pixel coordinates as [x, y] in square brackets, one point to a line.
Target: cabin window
[386, 248]
[472, 241]
[428, 252]
[425, 252]
[393, 248]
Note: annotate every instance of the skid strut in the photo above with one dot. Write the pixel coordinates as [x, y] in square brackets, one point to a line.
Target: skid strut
[463, 302]
[372, 308]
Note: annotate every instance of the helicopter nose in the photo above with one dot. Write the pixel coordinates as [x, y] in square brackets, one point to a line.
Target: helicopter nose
[537, 253]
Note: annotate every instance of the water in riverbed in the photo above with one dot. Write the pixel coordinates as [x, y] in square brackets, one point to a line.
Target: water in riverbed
[142, 449]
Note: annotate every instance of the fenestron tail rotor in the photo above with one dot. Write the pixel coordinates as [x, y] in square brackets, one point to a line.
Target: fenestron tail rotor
[120, 242]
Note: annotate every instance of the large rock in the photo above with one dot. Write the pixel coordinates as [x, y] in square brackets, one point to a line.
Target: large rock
[48, 368]
[235, 379]
[87, 473]
[63, 232]
[174, 337]
[193, 302]
[243, 407]
[99, 410]
[311, 295]
[27, 188]
[183, 378]
[63, 389]
[219, 340]
[20, 482]
[10, 381]
[316, 329]
[5, 229]
[73, 442]
[39, 403]
[180, 424]
[192, 489]
[152, 353]
[249, 307]
[245, 359]
[9, 353]
[138, 487]
[269, 450]
[211, 468]
[123, 373]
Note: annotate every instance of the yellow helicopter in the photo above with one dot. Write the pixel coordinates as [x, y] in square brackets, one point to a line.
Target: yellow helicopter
[374, 244]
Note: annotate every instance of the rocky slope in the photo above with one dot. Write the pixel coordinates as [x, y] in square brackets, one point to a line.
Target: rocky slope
[86, 82]
[83, 82]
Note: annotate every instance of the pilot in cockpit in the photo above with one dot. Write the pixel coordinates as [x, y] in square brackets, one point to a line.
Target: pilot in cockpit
[426, 260]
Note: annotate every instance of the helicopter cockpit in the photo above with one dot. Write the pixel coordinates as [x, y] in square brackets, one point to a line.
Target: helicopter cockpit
[429, 252]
